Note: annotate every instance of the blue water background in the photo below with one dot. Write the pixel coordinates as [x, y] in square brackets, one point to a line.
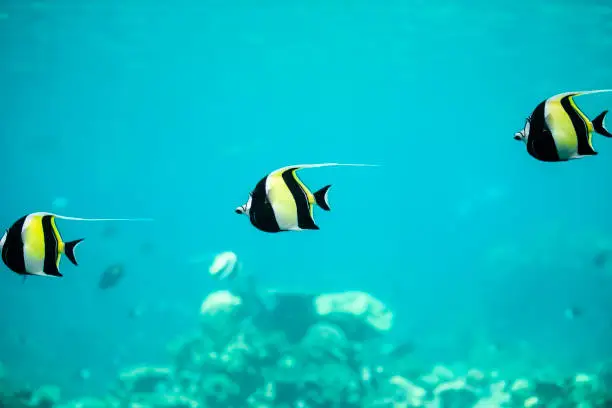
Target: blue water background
[174, 110]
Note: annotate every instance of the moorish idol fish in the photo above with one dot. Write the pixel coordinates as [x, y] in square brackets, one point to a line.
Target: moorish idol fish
[281, 201]
[558, 131]
[33, 244]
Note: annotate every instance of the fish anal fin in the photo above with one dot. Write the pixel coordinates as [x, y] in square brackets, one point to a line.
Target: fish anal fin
[309, 226]
[53, 272]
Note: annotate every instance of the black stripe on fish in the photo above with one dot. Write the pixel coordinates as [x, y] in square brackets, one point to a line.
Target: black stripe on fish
[261, 212]
[51, 247]
[580, 127]
[300, 198]
[540, 141]
[12, 251]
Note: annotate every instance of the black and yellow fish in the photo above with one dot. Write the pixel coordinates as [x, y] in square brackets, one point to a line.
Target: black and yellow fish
[33, 244]
[281, 201]
[558, 130]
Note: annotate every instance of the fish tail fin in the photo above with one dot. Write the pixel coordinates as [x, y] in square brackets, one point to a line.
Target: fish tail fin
[599, 125]
[69, 250]
[321, 198]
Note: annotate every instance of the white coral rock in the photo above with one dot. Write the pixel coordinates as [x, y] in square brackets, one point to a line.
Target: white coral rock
[224, 265]
[220, 302]
[360, 305]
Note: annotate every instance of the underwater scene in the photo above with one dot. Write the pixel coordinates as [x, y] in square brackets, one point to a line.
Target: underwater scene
[305, 204]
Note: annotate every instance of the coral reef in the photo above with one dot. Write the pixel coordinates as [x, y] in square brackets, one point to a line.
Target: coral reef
[325, 352]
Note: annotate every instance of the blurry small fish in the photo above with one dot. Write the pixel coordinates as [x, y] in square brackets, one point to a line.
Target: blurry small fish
[573, 312]
[33, 244]
[281, 201]
[111, 276]
[600, 259]
[558, 131]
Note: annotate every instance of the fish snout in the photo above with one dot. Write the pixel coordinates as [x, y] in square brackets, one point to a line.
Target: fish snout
[519, 136]
[240, 210]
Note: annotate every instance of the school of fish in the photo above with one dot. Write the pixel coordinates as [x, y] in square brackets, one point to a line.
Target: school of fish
[556, 131]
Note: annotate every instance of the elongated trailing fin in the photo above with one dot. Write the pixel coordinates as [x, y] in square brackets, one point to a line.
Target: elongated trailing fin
[69, 250]
[314, 165]
[595, 91]
[560, 96]
[63, 217]
[321, 198]
[599, 125]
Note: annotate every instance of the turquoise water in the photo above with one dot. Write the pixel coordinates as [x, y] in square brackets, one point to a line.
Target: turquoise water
[174, 110]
